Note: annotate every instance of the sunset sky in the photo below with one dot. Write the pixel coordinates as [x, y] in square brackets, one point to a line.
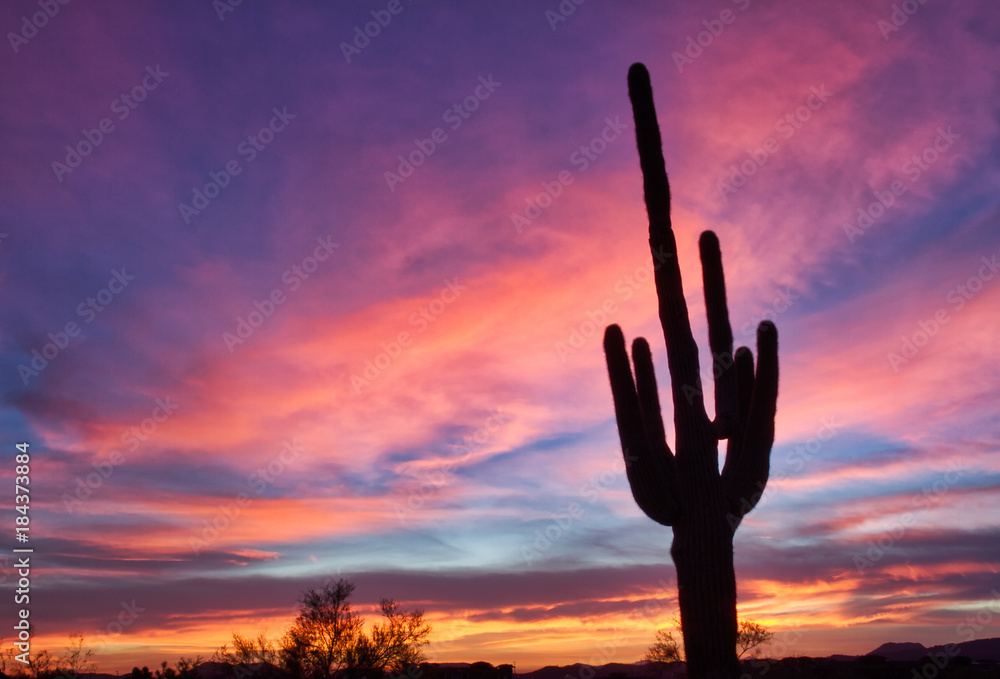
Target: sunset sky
[284, 302]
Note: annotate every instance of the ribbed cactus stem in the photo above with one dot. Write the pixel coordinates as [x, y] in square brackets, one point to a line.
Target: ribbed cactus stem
[684, 488]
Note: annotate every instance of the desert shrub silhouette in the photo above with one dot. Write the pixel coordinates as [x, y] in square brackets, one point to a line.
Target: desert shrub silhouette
[685, 489]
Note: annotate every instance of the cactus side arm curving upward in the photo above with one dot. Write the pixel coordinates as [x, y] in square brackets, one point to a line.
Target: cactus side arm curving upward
[684, 489]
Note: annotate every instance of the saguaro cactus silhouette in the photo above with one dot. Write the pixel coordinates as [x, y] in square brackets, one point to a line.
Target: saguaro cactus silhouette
[685, 489]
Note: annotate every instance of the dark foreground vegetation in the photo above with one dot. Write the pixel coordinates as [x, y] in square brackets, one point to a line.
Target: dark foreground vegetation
[840, 667]
[872, 667]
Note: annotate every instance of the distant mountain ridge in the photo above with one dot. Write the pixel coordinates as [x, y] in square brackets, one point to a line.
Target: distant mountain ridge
[978, 649]
[906, 650]
[577, 671]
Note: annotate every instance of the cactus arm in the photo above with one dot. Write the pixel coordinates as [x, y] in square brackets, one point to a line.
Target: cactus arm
[748, 457]
[763, 407]
[649, 464]
[731, 470]
[647, 131]
[744, 394]
[649, 396]
[720, 335]
[682, 352]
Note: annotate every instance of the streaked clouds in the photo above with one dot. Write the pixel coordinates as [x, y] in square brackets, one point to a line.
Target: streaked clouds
[421, 426]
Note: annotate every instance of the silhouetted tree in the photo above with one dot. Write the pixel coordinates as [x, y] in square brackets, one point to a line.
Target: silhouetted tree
[665, 649]
[750, 635]
[77, 659]
[392, 645]
[686, 490]
[324, 634]
[249, 651]
[165, 671]
[41, 664]
[327, 639]
[188, 667]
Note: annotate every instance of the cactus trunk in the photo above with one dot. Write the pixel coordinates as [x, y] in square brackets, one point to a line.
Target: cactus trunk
[706, 585]
[685, 489]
